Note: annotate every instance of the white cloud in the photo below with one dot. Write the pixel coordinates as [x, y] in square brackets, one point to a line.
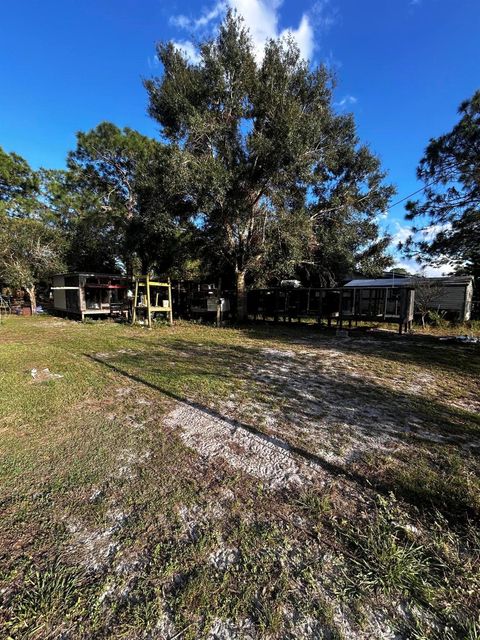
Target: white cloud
[417, 268]
[380, 217]
[180, 21]
[262, 19]
[429, 233]
[189, 49]
[304, 37]
[346, 101]
[184, 22]
[444, 269]
[401, 233]
[153, 62]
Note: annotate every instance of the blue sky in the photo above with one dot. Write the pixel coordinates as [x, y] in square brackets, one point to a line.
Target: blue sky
[403, 66]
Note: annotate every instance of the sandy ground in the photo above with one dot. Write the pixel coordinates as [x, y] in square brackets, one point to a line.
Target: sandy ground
[301, 395]
[262, 456]
[318, 399]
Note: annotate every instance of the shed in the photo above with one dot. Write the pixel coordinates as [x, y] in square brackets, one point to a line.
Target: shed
[88, 294]
[455, 297]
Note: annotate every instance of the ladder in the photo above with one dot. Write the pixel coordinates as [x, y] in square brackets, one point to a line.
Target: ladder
[4, 307]
[148, 294]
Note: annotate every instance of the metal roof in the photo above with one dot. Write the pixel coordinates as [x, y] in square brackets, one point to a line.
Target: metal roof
[91, 275]
[409, 282]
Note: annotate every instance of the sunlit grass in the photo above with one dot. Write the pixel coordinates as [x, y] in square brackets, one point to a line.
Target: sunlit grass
[80, 454]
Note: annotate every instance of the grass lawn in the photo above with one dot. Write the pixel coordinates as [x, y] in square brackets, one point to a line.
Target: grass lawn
[193, 482]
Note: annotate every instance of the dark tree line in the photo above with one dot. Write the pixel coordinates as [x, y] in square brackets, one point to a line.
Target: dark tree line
[255, 177]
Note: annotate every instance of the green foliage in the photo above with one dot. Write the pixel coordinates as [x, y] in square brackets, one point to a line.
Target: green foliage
[29, 252]
[111, 161]
[49, 597]
[18, 184]
[449, 482]
[117, 203]
[450, 171]
[347, 241]
[260, 154]
[259, 178]
[437, 319]
[101, 191]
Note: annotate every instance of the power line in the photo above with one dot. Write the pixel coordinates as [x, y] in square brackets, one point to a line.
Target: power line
[409, 196]
[343, 206]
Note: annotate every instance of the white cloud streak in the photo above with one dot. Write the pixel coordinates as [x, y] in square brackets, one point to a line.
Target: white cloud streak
[194, 24]
[262, 19]
[401, 233]
[303, 35]
[346, 101]
[414, 267]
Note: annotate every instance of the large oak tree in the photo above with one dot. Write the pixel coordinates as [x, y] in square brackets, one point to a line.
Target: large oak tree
[30, 251]
[260, 153]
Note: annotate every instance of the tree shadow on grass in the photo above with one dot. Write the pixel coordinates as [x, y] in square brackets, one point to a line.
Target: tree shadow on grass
[427, 351]
[307, 388]
[346, 389]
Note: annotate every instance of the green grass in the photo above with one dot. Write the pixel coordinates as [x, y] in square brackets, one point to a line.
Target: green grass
[447, 481]
[110, 522]
[386, 559]
[51, 599]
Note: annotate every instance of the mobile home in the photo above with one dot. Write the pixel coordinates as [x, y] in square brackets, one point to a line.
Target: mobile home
[89, 294]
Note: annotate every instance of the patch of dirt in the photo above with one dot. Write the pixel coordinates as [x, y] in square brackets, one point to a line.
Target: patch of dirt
[278, 353]
[262, 456]
[314, 396]
[44, 375]
[223, 557]
[129, 461]
[316, 403]
[228, 630]
[421, 384]
[95, 549]
[121, 392]
[128, 352]
[195, 517]
[301, 627]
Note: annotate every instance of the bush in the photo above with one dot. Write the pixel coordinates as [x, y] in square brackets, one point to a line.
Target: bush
[437, 319]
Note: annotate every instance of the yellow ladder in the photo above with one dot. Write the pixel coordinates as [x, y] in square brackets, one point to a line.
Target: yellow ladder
[144, 282]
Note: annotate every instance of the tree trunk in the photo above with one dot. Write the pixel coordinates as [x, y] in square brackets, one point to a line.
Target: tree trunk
[33, 298]
[241, 296]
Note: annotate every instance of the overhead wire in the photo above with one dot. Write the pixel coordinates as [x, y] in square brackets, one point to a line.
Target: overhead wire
[409, 196]
[343, 206]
